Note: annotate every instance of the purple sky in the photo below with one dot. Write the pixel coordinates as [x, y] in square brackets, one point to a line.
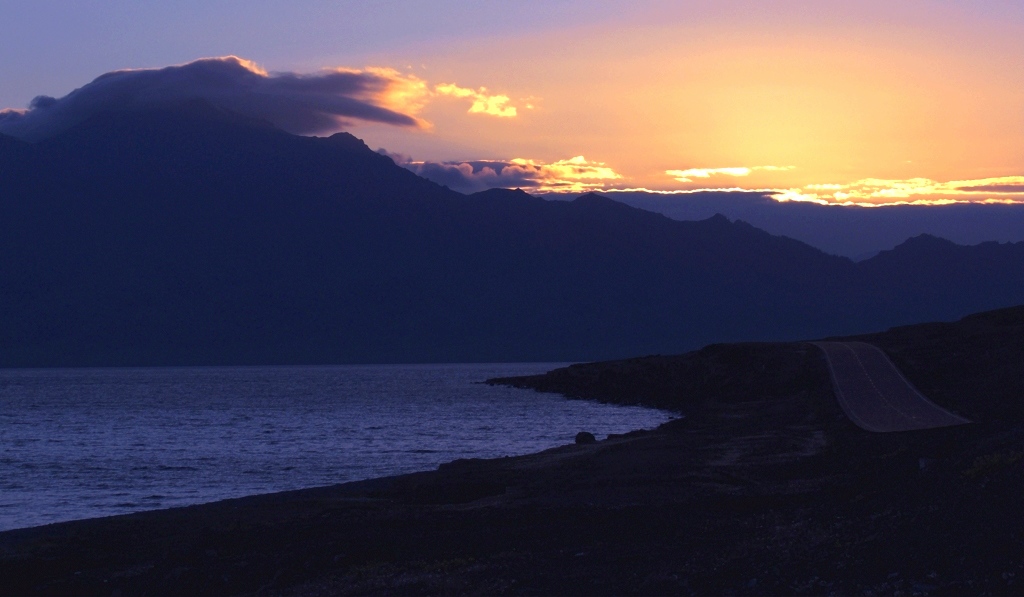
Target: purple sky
[824, 101]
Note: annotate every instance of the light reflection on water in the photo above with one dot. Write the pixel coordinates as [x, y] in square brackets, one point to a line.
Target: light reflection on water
[81, 443]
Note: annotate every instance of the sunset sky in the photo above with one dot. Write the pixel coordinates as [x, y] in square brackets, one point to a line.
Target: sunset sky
[866, 102]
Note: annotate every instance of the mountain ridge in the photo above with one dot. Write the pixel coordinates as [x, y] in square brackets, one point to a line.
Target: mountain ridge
[854, 231]
[158, 238]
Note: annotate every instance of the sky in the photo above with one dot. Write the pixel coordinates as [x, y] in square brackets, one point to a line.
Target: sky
[872, 102]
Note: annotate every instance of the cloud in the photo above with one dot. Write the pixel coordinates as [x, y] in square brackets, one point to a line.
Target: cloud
[732, 190]
[691, 173]
[298, 103]
[494, 105]
[576, 175]
[996, 188]
[871, 192]
[572, 175]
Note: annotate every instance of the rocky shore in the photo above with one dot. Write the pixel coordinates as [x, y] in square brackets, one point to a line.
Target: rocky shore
[762, 487]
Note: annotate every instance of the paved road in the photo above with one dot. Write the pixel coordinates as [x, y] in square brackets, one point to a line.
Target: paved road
[875, 395]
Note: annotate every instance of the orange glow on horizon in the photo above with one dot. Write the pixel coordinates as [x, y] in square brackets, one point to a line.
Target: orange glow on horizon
[676, 103]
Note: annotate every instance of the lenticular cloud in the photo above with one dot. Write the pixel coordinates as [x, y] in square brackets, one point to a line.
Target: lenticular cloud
[298, 103]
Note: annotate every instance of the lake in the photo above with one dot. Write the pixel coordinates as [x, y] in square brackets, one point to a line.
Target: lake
[83, 443]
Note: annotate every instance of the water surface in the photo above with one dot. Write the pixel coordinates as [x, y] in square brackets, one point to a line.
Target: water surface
[81, 443]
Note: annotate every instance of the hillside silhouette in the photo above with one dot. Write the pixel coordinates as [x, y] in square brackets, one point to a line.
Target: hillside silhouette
[973, 366]
[765, 486]
[195, 236]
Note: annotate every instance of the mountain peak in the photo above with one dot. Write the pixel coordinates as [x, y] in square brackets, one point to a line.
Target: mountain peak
[593, 199]
[348, 141]
[502, 193]
[930, 239]
[924, 242]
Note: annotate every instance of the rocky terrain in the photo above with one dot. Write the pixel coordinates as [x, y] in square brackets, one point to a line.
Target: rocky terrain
[763, 487]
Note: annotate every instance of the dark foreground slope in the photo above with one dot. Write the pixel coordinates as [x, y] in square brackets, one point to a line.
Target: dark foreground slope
[194, 236]
[763, 488]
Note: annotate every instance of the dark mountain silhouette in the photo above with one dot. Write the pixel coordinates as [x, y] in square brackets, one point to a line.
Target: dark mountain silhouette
[848, 230]
[194, 236]
[926, 268]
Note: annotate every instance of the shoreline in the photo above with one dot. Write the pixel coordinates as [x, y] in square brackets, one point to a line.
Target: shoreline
[765, 487]
[318, 488]
[190, 439]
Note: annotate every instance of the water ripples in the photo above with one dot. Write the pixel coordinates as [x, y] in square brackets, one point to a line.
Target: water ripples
[81, 443]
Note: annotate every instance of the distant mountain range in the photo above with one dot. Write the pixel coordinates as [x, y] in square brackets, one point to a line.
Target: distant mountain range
[851, 231]
[194, 236]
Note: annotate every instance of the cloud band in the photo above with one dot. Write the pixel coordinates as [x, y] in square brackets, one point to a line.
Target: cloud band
[298, 103]
[572, 175]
